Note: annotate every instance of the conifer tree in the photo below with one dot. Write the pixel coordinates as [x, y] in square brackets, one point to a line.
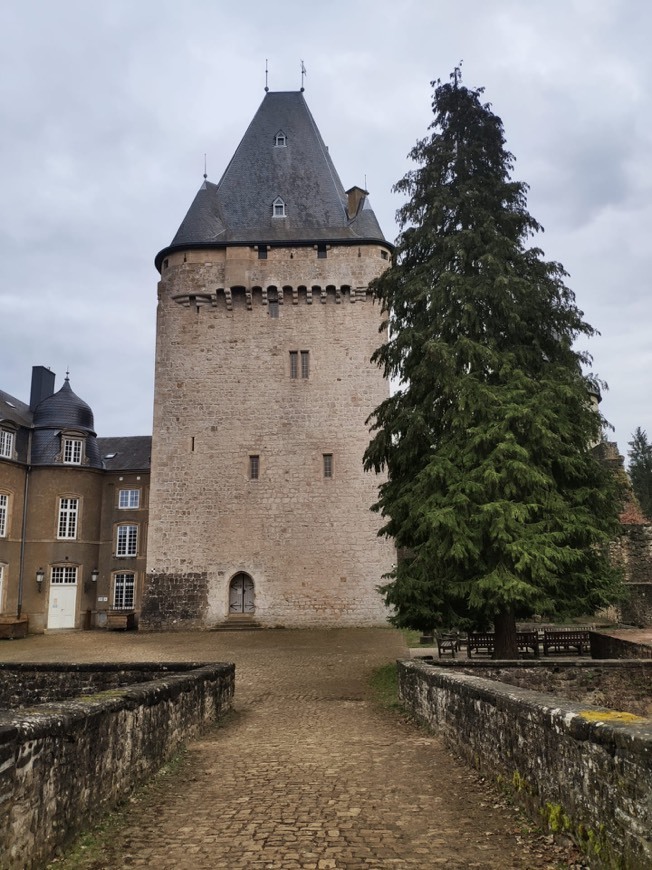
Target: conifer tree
[640, 470]
[493, 497]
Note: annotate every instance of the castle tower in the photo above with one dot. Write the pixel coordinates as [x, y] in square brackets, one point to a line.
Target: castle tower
[260, 508]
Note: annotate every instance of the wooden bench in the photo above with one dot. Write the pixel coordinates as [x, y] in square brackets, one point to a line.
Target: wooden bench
[480, 640]
[447, 642]
[565, 640]
[528, 640]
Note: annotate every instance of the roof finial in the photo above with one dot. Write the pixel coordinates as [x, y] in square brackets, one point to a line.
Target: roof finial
[68, 373]
[205, 175]
[266, 77]
[303, 75]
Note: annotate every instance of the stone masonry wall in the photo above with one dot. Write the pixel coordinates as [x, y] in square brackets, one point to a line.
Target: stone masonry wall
[25, 685]
[224, 393]
[581, 767]
[63, 765]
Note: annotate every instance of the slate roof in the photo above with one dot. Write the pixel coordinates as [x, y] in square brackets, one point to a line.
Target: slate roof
[64, 410]
[15, 410]
[238, 210]
[129, 453]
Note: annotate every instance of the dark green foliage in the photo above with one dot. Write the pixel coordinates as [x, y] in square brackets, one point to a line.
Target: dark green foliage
[493, 497]
[640, 470]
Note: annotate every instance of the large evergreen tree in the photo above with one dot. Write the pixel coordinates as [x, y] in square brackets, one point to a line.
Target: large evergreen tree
[640, 470]
[493, 497]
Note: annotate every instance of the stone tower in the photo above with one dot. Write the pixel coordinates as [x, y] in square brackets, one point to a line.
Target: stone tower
[259, 503]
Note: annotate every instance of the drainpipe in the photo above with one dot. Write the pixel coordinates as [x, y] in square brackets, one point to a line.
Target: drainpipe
[23, 532]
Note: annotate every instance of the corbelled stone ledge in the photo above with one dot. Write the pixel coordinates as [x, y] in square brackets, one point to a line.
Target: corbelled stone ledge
[586, 770]
[65, 763]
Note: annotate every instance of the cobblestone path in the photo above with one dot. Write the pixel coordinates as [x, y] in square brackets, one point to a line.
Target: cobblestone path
[307, 773]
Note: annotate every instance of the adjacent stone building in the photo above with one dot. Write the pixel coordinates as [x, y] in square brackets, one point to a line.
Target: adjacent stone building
[73, 514]
[259, 507]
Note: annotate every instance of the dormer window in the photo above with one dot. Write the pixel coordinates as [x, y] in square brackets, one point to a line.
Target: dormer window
[280, 140]
[72, 451]
[278, 208]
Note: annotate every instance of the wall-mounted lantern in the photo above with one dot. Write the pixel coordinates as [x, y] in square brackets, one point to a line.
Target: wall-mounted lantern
[95, 575]
[40, 577]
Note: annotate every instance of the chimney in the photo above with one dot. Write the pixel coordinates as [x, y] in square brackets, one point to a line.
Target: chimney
[42, 385]
[355, 196]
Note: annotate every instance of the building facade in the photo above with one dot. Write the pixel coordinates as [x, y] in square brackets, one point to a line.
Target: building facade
[260, 507]
[73, 514]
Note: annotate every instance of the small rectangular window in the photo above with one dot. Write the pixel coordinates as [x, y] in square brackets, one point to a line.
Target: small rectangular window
[328, 464]
[123, 590]
[68, 510]
[4, 510]
[262, 252]
[321, 252]
[72, 451]
[127, 541]
[254, 467]
[294, 364]
[272, 308]
[129, 499]
[305, 364]
[6, 443]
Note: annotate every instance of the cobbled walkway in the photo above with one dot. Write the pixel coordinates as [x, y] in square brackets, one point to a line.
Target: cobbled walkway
[307, 773]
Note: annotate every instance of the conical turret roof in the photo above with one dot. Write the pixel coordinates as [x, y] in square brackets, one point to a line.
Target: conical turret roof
[64, 410]
[281, 159]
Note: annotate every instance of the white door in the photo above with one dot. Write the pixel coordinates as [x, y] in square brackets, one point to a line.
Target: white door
[63, 597]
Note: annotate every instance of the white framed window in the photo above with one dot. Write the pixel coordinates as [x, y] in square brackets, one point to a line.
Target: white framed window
[278, 208]
[129, 499]
[4, 514]
[72, 451]
[64, 575]
[6, 444]
[124, 586]
[68, 515]
[126, 541]
[280, 140]
[328, 464]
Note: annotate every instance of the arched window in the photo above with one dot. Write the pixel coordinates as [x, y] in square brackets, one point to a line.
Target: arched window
[278, 208]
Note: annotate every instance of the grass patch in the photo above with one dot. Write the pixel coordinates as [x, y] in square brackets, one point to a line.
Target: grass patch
[384, 687]
[411, 637]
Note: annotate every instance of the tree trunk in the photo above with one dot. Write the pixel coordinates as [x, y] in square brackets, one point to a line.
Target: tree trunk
[505, 643]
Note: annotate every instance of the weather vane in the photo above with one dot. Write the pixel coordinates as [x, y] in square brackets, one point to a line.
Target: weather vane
[266, 77]
[303, 75]
[205, 171]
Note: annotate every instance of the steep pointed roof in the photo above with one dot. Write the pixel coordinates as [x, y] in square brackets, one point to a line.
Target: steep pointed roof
[282, 157]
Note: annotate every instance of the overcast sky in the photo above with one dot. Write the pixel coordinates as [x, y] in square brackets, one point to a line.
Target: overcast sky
[107, 109]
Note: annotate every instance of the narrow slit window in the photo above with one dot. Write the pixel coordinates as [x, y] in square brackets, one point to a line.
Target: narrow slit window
[272, 304]
[305, 364]
[294, 364]
[254, 467]
[328, 464]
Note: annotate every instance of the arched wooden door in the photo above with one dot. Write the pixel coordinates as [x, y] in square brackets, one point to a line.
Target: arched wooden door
[241, 594]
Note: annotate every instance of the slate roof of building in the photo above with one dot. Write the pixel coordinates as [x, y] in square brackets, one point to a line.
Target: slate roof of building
[15, 410]
[239, 210]
[129, 453]
[64, 410]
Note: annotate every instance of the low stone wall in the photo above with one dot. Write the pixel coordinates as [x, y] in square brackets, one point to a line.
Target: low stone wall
[605, 646]
[64, 764]
[587, 770]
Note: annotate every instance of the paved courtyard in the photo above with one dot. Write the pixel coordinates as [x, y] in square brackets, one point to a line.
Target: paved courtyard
[307, 773]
